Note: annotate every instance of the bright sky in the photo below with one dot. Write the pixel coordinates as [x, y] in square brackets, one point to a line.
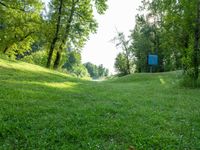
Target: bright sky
[121, 16]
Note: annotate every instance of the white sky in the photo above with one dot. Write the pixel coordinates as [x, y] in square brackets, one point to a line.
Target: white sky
[121, 15]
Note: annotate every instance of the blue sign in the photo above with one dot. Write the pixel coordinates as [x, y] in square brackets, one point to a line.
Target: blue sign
[152, 59]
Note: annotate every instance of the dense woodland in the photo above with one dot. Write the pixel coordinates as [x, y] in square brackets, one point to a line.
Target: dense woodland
[51, 37]
[168, 28]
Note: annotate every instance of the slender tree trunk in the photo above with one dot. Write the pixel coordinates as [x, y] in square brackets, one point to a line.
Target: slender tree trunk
[51, 52]
[5, 50]
[186, 45]
[53, 43]
[196, 44]
[57, 60]
[128, 65]
[65, 37]
[127, 60]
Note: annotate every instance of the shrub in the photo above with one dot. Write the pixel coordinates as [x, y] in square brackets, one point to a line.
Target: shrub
[188, 81]
[38, 58]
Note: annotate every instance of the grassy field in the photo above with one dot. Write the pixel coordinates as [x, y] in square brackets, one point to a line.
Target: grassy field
[44, 109]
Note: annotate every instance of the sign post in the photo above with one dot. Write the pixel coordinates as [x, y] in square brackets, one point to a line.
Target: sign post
[152, 61]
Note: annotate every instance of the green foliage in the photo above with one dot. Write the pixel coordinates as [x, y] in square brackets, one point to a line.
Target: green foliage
[124, 60]
[73, 59]
[188, 81]
[45, 109]
[182, 22]
[73, 65]
[102, 72]
[96, 71]
[120, 64]
[3, 56]
[72, 22]
[80, 71]
[101, 6]
[19, 25]
[38, 58]
[92, 69]
[67, 24]
[171, 30]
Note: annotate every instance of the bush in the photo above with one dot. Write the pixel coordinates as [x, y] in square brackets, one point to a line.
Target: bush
[38, 58]
[3, 56]
[80, 71]
[188, 81]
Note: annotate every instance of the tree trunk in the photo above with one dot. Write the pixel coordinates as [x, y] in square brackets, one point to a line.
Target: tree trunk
[128, 65]
[57, 61]
[51, 52]
[66, 35]
[186, 46]
[128, 71]
[53, 43]
[5, 50]
[196, 44]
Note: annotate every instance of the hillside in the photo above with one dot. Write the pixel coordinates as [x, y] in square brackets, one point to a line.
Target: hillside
[45, 109]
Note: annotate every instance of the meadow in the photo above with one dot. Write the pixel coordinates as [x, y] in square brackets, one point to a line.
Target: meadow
[45, 109]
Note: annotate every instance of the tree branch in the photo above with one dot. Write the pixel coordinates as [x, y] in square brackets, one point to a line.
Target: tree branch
[3, 4]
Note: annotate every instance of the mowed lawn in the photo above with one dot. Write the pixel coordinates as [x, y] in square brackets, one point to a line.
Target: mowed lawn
[44, 109]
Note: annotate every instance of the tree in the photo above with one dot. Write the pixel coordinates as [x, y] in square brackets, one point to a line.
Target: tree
[141, 43]
[59, 4]
[196, 51]
[73, 59]
[101, 70]
[126, 55]
[173, 36]
[121, 64]
[182, 20]
[19, 25]
[73, 65]
[80, 71]
[72, 25]
[96, 71]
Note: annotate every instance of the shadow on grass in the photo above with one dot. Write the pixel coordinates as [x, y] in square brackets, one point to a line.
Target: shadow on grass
[20, 75]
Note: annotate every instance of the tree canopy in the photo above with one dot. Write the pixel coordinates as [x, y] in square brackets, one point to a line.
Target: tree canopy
[19, 25]
[169, 29]
[95, 71]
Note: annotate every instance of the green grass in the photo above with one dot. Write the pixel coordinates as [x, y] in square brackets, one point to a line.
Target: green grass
[44, 109]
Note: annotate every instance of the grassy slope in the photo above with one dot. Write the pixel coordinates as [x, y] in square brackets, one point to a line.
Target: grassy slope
[43, 109]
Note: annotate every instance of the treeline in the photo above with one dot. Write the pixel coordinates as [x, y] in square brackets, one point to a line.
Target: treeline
[96, 71]
[48, 37]
[169, 29]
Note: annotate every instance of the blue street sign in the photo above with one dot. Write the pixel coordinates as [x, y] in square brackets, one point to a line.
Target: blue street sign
[152, 59]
